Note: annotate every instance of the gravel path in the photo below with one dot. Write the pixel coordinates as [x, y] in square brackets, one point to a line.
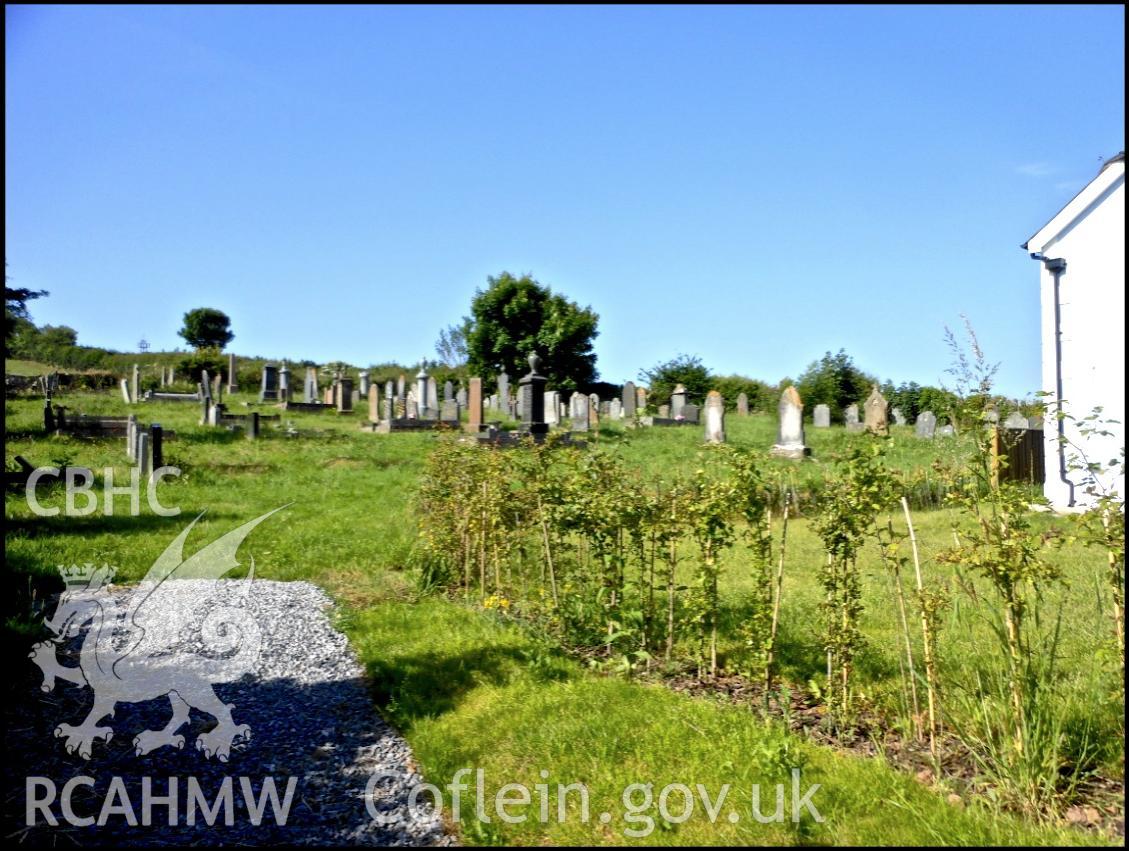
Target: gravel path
[310, 718]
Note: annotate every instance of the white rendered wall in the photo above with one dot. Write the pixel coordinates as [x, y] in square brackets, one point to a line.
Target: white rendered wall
[1092, 306]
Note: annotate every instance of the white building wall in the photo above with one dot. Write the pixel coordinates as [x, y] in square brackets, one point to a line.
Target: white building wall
[1092, 309]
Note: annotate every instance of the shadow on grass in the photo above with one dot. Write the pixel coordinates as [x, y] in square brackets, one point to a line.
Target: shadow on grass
[426, 685]
[98, 523]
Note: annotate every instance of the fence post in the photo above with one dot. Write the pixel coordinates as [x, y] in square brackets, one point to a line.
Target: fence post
[994, 443]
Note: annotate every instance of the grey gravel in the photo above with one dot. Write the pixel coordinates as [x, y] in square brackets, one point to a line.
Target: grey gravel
[310, 714]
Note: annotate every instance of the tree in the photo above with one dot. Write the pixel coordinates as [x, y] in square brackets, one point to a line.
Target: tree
[451, 345]
[206, 328]
[514, 317]
[16, 316]
[761, 396]
[835, 381]
[686, 370]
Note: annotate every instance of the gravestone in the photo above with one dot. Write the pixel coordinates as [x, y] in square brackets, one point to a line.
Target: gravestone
[311, 391]
[790, 435]
[448, 391]
[852, 417]
[474, 406]
[532, 390]
[677, 401]
[328, 395]
[157, 446]
[363, 383]
[125, 391]
[432, 405]
[389, 407]
[715, 417]
[605, 409]
[205, 385]
[411, 406]
[899, 417]
[217, 388]
[503, 403]
[461, 397]
[449, 411]
[389, 389]
[615, 409]
[875, 412]
[578, 411]
[144, 461]
[742, 404]
[492, 401]
[628, 400]
[946, 431]
[136, 383]
[552, 407]
[821, 416]
[284, 383]
[664, 412]
[1016, 420]
[640, 399]
[593, 411]
[130, 438]
[421, 392]
[345, 396]
[232, 381]
[269, 390]
[401, 388]
[690, 413]
[926, 425]
[373, 404]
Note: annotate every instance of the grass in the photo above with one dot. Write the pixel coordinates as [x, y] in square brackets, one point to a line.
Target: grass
[470, 690]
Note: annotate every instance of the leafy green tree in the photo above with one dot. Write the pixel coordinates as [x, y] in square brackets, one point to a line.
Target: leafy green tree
[762, 396]
[686, 370]
[206, 328]
[835, 381]
[513, 317]
[17, 320]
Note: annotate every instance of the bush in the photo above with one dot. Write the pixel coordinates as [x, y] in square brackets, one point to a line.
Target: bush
[762, 396]
[686, 370]
[190, 368]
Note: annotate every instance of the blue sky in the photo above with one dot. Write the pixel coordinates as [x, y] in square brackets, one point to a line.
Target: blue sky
[753, 185]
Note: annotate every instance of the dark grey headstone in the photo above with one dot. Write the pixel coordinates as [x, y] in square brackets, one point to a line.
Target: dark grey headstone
[925, 425]
[269, 390]
[628, 400]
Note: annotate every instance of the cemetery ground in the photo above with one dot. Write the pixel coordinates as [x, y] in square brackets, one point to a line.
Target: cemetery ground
[472, 686]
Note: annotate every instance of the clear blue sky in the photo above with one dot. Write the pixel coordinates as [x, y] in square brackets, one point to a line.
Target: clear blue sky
[754, 185]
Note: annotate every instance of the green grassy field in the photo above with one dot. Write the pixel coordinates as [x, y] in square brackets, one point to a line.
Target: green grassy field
[469, 688]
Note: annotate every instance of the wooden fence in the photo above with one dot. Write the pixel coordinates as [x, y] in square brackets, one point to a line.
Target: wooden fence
[1023, 449]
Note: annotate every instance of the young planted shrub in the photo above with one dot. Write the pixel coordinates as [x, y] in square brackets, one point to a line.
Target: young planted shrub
[844, 516]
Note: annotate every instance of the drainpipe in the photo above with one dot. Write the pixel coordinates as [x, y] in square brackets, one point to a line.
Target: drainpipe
[1056, 266]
